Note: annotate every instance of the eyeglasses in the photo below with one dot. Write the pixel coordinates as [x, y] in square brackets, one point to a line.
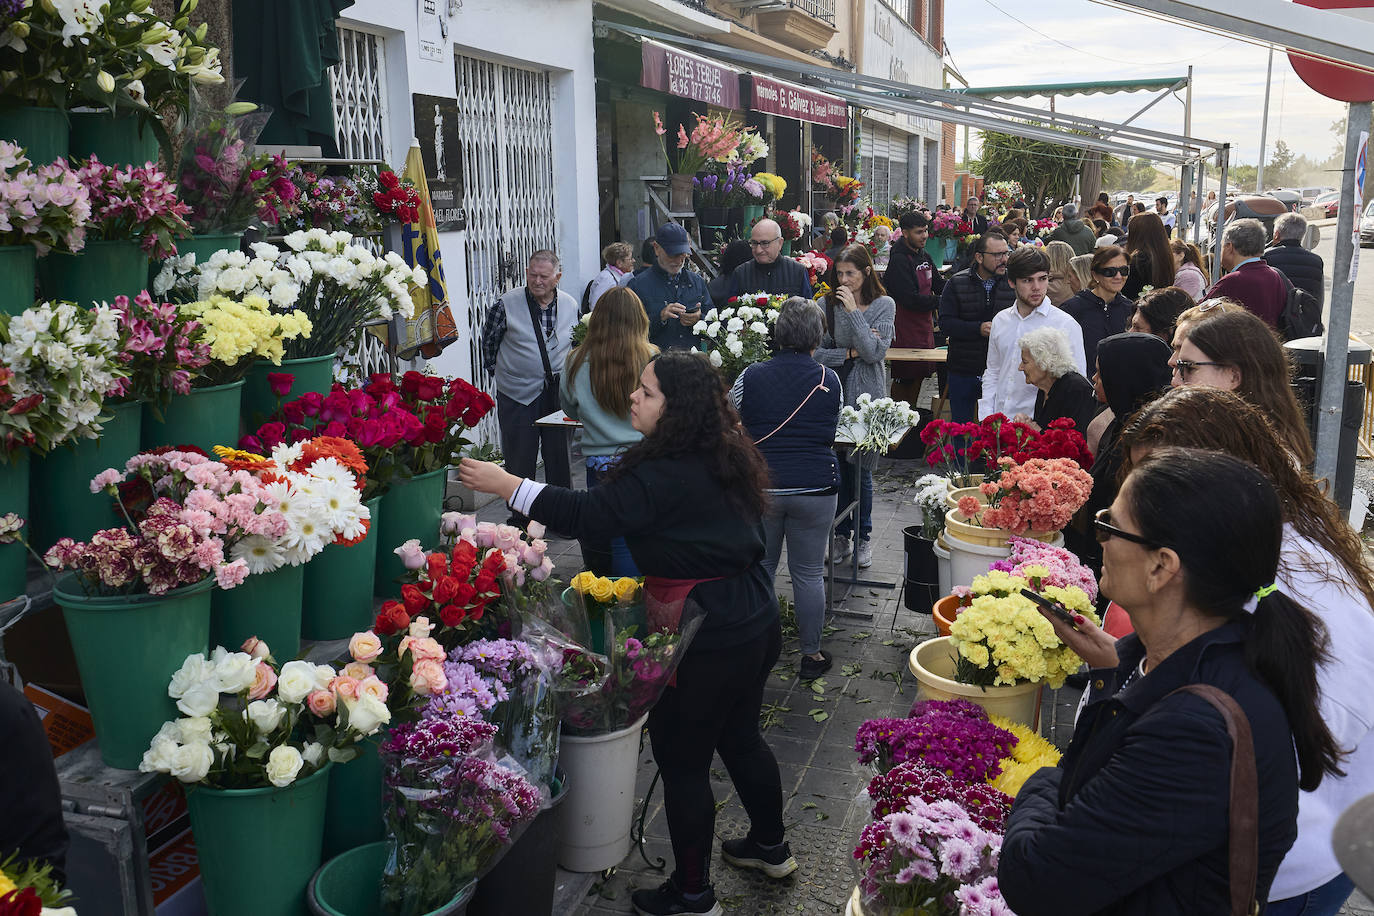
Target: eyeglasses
[1186, 367]
[1113, 271]
[762, 243]
[999, 255]
[1105, 530]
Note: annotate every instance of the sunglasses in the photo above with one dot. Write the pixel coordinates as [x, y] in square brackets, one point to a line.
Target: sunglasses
[1113, 271]
[1186, 367]
[1105, 530]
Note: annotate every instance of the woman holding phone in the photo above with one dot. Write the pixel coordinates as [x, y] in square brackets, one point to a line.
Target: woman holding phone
[1137, 817]
[688, 499]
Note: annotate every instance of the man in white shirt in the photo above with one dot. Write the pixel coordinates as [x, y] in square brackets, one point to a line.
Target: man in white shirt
[1162, 209]
[1005, 389]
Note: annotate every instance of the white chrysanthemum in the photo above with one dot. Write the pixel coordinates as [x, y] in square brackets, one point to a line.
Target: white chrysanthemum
[263, 555]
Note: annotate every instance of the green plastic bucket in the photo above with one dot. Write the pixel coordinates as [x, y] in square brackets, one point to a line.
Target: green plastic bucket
[41, 131]
[258, 848]
[97, 273]
[338, 586]
[18, 266]
[206, 244]
[205, 418]
[350, 884]
[127, 649]
[410, 511]
[14, 497]
[354, 813]
[267, 606]
[115, 140]
[311, 373]
[61, 481]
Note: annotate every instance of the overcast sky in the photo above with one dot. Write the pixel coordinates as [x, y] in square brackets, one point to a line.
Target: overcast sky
[1111, 43]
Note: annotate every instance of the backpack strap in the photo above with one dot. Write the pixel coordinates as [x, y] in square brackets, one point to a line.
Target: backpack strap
[1243, 864]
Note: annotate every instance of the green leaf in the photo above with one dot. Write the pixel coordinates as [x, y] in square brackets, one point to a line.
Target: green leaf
[857, 636]
[807, 806]
[818, 715]
[851, 670]
[822, 816]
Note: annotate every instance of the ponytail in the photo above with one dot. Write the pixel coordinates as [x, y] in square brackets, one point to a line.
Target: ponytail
[1283, 632]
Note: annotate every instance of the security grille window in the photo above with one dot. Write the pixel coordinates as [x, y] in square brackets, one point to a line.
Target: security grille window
[360, 103]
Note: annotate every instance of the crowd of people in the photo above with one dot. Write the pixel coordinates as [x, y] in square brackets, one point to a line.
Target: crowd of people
[1225, 564]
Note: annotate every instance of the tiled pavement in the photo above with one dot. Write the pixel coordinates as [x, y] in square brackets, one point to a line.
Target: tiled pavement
[811, 730]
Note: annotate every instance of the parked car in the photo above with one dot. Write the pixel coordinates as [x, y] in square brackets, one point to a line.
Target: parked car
[1263, 207]
[1330, 203]
[1291, 197]
[1367, 226]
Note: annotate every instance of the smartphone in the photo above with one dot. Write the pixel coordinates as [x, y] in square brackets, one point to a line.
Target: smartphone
[693, 308]
[1054, 607]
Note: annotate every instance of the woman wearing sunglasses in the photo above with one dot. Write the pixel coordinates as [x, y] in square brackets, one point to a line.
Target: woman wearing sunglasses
[1136, 819]
[1236, 351]
[1101, 310]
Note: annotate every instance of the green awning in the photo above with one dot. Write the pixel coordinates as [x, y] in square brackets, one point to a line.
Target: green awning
[1100, 87]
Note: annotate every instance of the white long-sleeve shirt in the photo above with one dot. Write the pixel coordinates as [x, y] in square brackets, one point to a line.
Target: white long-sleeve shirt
[1005, 389]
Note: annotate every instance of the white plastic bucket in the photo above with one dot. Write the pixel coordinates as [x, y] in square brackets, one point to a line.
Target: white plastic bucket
[594, 820]
[968, 561]
[942, 564]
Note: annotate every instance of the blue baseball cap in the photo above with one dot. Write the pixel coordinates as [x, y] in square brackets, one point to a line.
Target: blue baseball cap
[673, 239]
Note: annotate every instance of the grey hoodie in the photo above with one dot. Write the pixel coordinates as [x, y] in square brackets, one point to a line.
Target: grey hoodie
[1077, 234]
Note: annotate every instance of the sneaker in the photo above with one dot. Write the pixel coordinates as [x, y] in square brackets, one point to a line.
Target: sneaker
[865, 554]
[745, 853]
[842, 549]
[668, 900]
[812, 669]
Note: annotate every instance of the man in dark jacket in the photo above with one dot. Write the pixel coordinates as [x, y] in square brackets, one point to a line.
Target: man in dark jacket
[915, 285]
[674, 297]
[1075, 233]
[31, 825]
[977, 220]
[769, 272]
[969, 301]
[1250, 281]
[1303, 268]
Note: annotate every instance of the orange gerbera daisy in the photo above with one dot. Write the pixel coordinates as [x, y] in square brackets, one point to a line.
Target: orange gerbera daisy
[341, 450]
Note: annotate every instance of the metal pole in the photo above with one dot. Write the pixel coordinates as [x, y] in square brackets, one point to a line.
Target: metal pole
[1264, 122]
[1224, 160]
[1201, 202]
[1187, 168]
[1331, 400]
[1184, 211]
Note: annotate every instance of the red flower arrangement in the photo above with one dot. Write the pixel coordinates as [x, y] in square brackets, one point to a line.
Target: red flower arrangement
[997, 437]
[396, 198]
[446, 410]
[454, 587]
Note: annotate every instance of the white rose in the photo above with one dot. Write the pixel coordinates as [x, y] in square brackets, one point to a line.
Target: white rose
[366, 714]
[313, 753]
[200, 700]
[192, 672]
[192, 762]
[283, 764]
[296, 681]
[195, 730]
[158, 757]
[234, 671]
[265, 715]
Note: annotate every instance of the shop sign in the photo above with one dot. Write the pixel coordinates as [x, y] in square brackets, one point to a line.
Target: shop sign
[775, 97]
[436, 129]
[688, 76]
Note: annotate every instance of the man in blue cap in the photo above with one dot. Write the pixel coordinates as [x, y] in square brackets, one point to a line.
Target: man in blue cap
[674, 297]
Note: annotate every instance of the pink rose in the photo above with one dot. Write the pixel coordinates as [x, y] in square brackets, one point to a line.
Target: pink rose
[256, 648]
[345, 688]
[486, 534]
[358, 671]
[374, 687]
[542, 571]
[427, 677]
[426, 648]
[365, 646]
[535, 529]
[506, 538]
[321, 703]
[412, 556]
[264, 679]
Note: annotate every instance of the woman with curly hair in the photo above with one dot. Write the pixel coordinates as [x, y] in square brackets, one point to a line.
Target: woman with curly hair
[688, 499]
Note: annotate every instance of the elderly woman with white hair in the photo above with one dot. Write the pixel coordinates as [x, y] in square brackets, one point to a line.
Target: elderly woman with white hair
[1047, 363]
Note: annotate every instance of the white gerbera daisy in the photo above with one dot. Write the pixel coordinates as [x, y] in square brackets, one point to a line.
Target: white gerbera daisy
[263, 555]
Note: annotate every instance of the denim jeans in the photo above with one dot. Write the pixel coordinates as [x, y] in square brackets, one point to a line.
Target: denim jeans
[964, 392]
[622, 564]
[803, 519]
[847, 472]
[1323, 901]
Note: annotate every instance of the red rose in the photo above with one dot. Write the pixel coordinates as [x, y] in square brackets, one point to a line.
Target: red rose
[429, 387]
[466, 595]
[451, 615]
[437, 566]
[485, 583]
[392, 618]
[479, 408]
[436, 424]
[271, 434]
[379, 384]
[415, 600]
[478, 609]
[495, 562]
[464, 558]
[445, 589]
[24, 902]
[410, 382]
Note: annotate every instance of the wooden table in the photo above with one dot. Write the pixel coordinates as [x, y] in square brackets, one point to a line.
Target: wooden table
[921, 355]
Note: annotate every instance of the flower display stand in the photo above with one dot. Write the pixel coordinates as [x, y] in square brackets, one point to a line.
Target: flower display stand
[98, 273]
[259, 848]
[121, 140]
[313, 373]
[337, 598]
[524, 880]
[594, 821]
[43, 132]
[127, 648]
[14, 497]
[932, 664]
[410, 510]
[18, 266]
[267, 605]
[204, 418]
[61, 481]
[350, 884]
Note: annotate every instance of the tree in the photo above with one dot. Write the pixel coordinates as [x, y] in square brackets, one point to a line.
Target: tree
[1279, 171]
[1137, 175]
[1046, 170]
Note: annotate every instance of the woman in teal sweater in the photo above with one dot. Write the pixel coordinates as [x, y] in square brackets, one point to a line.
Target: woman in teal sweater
[595, 388]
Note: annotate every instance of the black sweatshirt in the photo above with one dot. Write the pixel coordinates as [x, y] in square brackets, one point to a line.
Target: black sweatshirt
[678, 524]
[30, 798]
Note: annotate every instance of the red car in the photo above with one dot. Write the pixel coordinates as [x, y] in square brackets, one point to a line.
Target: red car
[1330, 203]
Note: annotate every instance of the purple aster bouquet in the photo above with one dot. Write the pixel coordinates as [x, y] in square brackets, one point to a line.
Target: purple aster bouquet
[450, 810]
[952, 736]
[1042, 564]
[892, 791]
[930, 858]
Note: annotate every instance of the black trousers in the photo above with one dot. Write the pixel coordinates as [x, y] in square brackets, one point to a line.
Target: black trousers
[521, 439]
[715, 707]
